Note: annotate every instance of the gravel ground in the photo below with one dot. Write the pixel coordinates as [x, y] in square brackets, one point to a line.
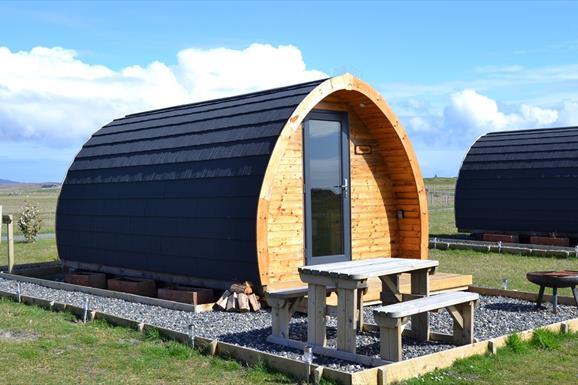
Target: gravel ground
[494, 316]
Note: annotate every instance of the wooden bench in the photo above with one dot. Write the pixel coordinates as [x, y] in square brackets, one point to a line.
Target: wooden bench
[392, 319]
[284, 303]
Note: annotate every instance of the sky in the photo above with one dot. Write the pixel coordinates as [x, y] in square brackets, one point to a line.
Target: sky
[451, 71]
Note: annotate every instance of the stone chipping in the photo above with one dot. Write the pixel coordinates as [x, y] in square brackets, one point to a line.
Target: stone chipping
[494, 316]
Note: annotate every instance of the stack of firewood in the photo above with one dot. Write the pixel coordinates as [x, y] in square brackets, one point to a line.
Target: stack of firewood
[239, 297]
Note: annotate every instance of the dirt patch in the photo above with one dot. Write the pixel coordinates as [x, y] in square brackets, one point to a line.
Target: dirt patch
[13, 336]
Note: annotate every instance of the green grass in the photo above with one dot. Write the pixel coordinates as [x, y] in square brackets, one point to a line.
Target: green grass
[12, 200]
[548, 358]
[441, 206]
[51, 348]
[442, 222]
[38, 251]
[488, 269]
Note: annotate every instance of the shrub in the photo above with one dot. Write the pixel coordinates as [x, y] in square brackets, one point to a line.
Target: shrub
[29, 221]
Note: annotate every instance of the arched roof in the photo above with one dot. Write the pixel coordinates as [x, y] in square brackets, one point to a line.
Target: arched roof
[147, 185]
[520, 181]
[181, 190]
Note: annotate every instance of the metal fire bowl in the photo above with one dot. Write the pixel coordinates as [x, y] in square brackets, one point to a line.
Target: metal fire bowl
[558, 279]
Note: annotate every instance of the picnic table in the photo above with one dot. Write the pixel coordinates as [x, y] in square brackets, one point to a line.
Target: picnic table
[349, 279]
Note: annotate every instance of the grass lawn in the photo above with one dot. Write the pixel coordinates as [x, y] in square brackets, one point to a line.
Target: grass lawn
[488, 269]
[547, 359]
[42, 347]
[38, 251]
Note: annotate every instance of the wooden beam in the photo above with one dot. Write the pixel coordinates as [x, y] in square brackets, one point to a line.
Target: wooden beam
[329, 352]
[10, 242]
[346, 309]
[316, 314]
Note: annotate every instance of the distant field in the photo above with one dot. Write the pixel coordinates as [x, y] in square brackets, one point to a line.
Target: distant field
[440, 194]
[13, 197]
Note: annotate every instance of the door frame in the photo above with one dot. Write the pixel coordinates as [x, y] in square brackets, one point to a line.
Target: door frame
[343, 118]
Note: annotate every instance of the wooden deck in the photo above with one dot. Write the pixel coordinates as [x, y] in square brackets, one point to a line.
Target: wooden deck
[439, 282]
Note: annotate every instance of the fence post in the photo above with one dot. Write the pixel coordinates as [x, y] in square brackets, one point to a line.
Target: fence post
[1, 223]
[10, 242]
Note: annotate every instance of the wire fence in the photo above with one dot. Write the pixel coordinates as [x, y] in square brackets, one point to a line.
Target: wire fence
[440, 198]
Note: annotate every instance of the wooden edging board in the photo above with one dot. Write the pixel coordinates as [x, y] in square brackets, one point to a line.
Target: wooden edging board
[111, 294]
[295, 368]
[386, 374]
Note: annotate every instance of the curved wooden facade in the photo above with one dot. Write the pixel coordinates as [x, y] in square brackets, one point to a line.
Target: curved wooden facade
[213, 192]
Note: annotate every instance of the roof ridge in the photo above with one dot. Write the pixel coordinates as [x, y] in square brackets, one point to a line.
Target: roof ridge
[530, 130]
[227, 98]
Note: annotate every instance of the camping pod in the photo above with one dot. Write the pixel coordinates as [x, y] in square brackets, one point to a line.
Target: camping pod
[245, 188]
[520, 182]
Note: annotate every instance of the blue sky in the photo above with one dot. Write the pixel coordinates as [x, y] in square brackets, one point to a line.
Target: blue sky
[450, 70]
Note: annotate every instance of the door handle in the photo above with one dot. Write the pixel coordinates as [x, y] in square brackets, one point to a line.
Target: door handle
[344, 187]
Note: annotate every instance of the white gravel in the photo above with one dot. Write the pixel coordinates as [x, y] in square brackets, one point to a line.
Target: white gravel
[494, 316]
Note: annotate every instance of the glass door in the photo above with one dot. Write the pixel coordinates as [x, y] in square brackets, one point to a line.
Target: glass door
[327, 205]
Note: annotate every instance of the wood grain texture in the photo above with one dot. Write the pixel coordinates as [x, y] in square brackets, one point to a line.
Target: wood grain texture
[382, 183]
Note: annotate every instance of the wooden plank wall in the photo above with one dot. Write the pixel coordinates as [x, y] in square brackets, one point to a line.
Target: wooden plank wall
[398, 174]
[381, 184]
[285, 228]
[373, 205]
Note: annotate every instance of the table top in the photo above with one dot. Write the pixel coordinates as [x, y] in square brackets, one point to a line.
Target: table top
[367, 268]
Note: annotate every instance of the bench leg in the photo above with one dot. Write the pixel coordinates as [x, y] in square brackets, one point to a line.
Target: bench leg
[281, 312]
[463, 316]
[390, 292]
[390, 332]
[316, 307]
[346, 320]
[420, 288]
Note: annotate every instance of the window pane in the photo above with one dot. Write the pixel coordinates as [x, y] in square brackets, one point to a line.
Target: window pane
[326, 198]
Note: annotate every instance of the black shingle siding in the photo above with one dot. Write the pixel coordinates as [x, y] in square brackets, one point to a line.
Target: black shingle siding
[520, 181]
[175, 190]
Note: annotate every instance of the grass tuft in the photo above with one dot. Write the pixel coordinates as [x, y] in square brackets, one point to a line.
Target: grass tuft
[546, 339]
[515, 343]
[151, 334]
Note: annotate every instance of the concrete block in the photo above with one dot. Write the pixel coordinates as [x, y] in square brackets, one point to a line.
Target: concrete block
[90, 279]
[144, 287]
[550, 241]
[504, 238]
[192, 295]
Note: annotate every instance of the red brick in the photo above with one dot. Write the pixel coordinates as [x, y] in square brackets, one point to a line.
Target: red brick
[145, 287]
[550, 241]
[86, 279]
[501, 238]
[192, 295]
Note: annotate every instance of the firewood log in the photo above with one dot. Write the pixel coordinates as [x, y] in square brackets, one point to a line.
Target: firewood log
[244, 287]
[222, 302]
[243, 302]
[232, 302]
[254, 302]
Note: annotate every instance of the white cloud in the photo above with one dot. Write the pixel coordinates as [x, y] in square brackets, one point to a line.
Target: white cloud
[569, 114]
[471, 111]
[420, 124]
[50, 96]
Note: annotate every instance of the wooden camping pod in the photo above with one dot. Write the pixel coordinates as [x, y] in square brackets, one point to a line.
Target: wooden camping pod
[520, 183]
[213, 193]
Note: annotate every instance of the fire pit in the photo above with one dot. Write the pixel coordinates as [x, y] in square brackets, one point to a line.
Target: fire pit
[555, 280]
